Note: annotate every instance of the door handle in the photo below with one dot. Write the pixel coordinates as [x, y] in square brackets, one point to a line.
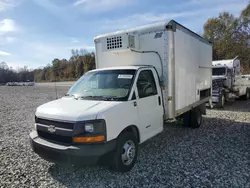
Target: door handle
[135, 103]
[159, 100]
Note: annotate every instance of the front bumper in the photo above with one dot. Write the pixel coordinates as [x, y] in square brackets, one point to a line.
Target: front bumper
[73, 155]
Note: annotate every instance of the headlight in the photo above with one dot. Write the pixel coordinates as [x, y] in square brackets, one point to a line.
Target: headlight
[90, 131]
[89, 127]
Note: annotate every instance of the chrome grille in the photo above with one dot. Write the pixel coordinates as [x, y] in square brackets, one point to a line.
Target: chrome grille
[63, 131]
[59, 124]
[218, 84]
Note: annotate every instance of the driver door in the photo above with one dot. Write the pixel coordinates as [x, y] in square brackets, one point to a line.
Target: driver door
[149, 103]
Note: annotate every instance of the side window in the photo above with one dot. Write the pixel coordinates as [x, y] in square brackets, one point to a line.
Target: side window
[146, 84]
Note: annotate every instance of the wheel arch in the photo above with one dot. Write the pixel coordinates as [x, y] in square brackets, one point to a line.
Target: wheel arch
[133, 129]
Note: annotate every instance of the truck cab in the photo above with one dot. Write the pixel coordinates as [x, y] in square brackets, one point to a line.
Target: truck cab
[127, 99]
[227, 81]
[219, 71]
[223, 73]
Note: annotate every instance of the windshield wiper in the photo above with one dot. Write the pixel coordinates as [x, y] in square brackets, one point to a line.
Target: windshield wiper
[90, 96]
[111, 98]
[69, 95]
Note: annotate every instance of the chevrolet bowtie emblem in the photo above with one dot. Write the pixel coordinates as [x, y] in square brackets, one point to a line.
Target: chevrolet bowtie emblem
[52, 129]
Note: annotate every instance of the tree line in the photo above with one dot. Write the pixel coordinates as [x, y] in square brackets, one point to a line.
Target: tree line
[230, 36]
[7, 74]
[66, 70]
[59, 70]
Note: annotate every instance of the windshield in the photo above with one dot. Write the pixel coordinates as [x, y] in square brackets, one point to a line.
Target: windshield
[219, 71]
[103, 85]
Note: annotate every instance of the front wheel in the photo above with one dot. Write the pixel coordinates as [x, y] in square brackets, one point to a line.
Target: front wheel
[126, 152]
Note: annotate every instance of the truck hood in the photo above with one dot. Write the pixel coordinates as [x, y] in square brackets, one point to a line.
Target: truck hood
[70, 109]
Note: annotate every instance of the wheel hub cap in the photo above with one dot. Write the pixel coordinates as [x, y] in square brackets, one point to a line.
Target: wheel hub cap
[128, 153]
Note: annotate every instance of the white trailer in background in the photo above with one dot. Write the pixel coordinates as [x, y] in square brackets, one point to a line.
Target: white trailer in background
[144, 76]
[228, 83]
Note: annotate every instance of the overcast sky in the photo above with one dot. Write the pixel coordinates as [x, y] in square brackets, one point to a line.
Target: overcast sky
[34, 32]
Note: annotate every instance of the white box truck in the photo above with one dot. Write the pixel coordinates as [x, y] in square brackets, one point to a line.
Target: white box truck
[227, 82]
[143, 76]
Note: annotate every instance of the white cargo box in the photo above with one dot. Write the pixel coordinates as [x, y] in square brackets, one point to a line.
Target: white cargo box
[182, 59]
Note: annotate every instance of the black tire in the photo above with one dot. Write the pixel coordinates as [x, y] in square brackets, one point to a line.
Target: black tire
[196, 118]
[119, 164]
[222, 100]
[247, 95]
[187, 118]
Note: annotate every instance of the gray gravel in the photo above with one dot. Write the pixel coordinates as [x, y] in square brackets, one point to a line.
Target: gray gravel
[216, 155]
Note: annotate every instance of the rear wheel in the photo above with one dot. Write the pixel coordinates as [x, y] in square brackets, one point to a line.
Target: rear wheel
[187, 118]
[247, 95]
[193, 118]
[196, 118]
[126, 152]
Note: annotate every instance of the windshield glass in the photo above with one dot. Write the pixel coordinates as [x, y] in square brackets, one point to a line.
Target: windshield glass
[103, 85]
[219, 71]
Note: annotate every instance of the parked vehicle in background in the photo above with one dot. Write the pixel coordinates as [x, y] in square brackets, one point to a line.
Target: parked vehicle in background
[30, 83]
[20, 84]
[12, 84]
[228, 83]
[144, 76]
[246, 76]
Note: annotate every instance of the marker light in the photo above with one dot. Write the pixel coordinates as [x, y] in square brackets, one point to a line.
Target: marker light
[92, 139]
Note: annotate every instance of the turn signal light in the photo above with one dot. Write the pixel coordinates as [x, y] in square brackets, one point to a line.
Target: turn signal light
[92, 139]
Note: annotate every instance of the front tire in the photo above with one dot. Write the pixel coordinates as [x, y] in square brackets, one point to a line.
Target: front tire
[126, 152]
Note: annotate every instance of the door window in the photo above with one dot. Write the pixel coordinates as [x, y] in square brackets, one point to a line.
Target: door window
[146, 84]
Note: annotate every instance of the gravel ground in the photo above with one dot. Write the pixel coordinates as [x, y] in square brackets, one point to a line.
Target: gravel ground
[216, 155]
